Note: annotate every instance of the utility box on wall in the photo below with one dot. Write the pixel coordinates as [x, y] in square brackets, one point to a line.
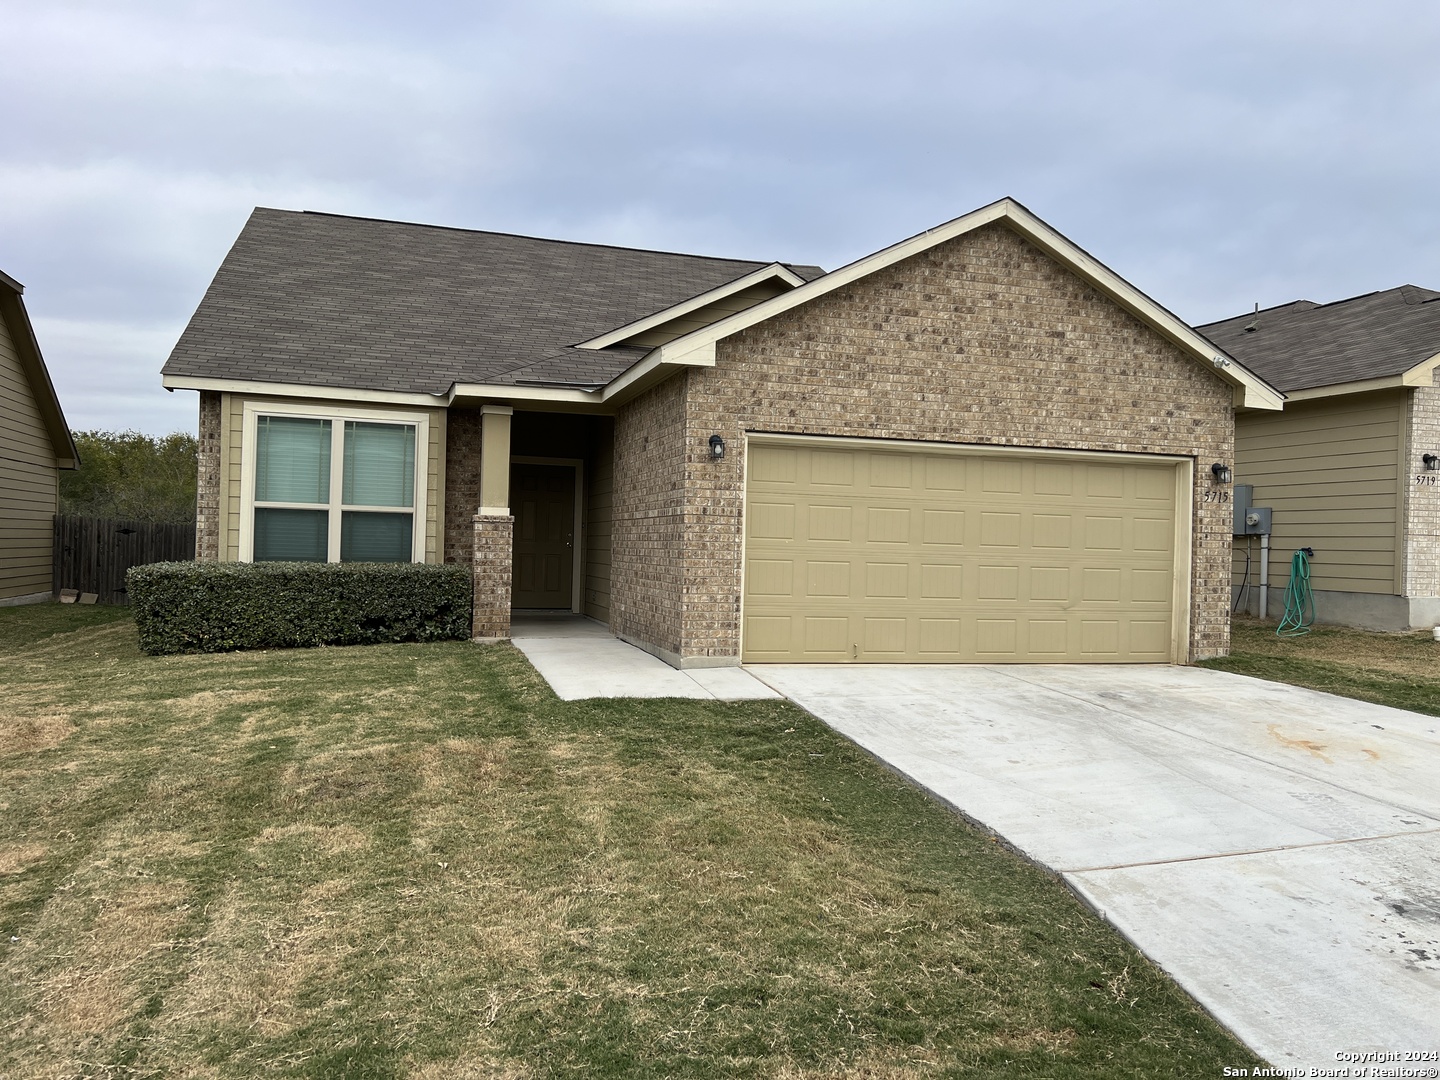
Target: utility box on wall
[1250, 520]
[1243, 494]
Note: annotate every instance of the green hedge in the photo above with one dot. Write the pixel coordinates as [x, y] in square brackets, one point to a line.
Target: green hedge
[218, 607]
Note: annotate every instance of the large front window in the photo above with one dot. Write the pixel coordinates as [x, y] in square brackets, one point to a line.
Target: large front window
[333, 490]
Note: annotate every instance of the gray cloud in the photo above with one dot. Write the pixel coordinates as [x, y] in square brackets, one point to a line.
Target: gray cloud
[1216, 157]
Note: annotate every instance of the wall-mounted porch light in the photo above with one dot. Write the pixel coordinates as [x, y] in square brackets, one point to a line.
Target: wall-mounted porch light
[1431, 462]
[717, 448]
[1220, 472]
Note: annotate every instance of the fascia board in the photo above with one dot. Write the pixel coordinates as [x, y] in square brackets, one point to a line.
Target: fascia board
[502, 392]
[301, 390]
[480, 391]
[695, 303]
[1257, 394]
[1421, 374]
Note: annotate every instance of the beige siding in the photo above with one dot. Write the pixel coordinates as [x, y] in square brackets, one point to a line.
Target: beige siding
[232, 429]
[740, 301]
[1330, 470]
[29, 488]
[599, 503]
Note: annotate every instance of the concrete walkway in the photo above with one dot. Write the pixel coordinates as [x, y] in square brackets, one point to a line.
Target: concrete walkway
[580, 658]
[1276, 850]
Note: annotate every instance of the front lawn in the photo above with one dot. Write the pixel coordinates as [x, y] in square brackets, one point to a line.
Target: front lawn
[414, 861]
[1400, 670]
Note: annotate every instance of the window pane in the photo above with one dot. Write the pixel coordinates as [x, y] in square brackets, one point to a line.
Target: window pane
[369, 537]
[291, 535]
[292, 460]
[379, 464]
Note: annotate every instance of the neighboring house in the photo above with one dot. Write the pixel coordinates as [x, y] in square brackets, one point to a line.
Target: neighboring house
[1344, 467]
[34, 443]
[977, 444]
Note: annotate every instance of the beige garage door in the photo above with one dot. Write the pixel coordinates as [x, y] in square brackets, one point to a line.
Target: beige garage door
[888, 556]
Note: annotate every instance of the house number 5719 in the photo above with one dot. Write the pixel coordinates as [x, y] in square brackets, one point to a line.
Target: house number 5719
[1427, 479]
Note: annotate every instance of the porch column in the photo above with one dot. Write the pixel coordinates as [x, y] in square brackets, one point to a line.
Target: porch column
[494, 528]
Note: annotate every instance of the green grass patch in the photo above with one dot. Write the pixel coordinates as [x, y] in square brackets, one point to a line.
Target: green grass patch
[414, 861]
[1398, 670]
[29, 623]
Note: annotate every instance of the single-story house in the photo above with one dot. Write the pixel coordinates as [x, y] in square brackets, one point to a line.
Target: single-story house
[978, 444]
[35, 443]
[1350, 468]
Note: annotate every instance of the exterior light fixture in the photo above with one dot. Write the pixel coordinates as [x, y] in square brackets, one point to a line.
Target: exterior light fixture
[1220, 472]
[1431, 462]
[717, 448]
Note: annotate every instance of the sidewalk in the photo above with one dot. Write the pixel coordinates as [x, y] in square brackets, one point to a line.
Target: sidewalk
[580, 658]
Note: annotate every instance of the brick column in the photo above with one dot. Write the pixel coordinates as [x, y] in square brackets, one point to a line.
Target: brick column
[207, 500]
[494, 544]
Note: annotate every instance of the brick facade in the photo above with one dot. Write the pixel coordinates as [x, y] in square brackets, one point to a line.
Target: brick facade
[983, 339]
[1422, 502]
[649, 553]
[493, 543]
[462, 485]
[207, 495]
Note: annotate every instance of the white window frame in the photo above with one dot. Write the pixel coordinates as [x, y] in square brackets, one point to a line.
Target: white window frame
[253, 410]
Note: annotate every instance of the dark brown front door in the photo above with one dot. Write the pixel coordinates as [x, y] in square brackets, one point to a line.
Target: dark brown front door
[543, 498]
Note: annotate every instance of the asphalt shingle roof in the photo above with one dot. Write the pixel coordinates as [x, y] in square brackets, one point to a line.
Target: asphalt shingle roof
[358, 303]
[1301, 344]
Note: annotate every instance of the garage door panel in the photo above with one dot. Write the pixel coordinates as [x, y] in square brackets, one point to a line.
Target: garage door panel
[952, 557]
[999, 530]
[829, 522]
[943, 528]
[771, 577]
[945, 473]
[827, 578]
[888, 525]
[939, 581]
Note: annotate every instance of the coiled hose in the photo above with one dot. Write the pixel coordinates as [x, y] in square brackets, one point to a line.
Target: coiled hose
[1299, 600]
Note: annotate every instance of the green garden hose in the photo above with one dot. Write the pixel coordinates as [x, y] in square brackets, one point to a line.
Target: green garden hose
[1299, 600]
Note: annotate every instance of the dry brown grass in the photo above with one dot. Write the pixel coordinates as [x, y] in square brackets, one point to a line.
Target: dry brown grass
[1401, 670]
[408, 861]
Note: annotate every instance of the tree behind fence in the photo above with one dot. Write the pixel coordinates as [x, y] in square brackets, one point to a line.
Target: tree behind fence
[92, 554]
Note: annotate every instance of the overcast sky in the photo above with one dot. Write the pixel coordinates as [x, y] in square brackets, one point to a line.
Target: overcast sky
[1216, 155]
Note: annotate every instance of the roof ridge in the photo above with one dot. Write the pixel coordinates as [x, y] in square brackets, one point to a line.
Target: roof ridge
[539, 239]
[1327, 304]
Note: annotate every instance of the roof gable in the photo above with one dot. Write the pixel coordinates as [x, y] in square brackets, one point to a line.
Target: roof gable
[27, 349]
[698, 348]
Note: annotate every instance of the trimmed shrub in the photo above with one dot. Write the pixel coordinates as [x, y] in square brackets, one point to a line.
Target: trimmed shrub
[218, 607]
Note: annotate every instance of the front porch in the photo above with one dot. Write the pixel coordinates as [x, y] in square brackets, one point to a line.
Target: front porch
[529, 506]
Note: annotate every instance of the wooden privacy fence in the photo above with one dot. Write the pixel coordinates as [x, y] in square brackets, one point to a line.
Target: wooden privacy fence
[92, 554]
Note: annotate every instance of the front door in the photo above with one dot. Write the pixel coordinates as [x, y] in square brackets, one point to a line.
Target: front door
[543, 498]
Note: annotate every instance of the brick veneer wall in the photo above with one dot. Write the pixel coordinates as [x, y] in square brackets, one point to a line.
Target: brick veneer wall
[982, 339]
[1422, 503]
[494, 538]
[462, 485]
[648, 523]
[207, 494]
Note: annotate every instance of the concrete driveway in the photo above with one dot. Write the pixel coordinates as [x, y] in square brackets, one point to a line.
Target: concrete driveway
[1276, 850]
